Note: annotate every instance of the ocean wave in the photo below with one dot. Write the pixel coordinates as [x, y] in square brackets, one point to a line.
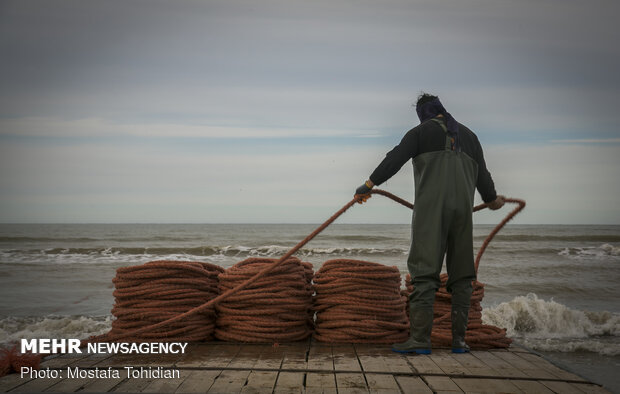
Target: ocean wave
[551, 326]
[602, 251]
[14, 239]
[362, 238]
[137, 254]
[13, 329]
[606, 238]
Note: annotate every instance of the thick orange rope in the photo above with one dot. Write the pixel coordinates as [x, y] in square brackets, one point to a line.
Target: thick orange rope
[114, 336]
[273, 309]
[152, 292]
[359, 302]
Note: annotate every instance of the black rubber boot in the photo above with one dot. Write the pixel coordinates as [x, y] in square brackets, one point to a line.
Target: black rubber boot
[421, 325]
[459, 318]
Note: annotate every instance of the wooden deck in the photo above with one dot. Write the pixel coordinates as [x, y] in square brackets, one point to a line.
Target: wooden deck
[310, 367]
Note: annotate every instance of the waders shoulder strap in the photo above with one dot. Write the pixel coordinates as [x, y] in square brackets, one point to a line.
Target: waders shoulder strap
[449, 140]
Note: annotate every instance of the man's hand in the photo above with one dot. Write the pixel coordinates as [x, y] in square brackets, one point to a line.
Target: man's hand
[497, 203]
[362, 193]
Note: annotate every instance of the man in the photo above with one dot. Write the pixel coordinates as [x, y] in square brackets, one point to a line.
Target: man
[448, 166]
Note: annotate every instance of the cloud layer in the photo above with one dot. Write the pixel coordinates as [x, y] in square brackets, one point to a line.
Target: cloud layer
[232, 111]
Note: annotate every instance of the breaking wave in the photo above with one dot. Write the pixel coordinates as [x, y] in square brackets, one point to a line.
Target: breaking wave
[602, 251]
[13, 329]
[549, 237]
[142, 254]
[550, 326]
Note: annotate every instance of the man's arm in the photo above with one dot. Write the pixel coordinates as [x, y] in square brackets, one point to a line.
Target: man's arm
[396, 158]
[485, 184]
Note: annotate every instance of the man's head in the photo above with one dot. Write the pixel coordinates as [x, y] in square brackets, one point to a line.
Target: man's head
[424, 98]
[428, 106]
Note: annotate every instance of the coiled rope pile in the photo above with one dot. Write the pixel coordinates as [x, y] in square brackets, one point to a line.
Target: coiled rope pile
[11, 360]
[359, 302]
[180, 319]
[478, 335]
[276, 308]
[157, 291]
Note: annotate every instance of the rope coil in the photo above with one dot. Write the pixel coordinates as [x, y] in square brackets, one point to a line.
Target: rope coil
[273, 309]
[157, 291]
[359, 302]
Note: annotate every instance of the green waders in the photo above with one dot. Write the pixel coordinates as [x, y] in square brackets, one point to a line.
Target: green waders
[445, 183]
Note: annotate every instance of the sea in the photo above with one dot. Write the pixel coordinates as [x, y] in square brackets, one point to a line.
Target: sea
[554, 288]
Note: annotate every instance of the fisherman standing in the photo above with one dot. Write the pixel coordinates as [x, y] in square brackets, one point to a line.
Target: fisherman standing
[448, 165]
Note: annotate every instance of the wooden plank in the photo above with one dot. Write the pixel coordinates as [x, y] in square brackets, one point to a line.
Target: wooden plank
[270, 358]
[90, 360]
[474, 365]
[504, 368]
[260, 382]
[217, 356]
[525, 366]
[290, 382]
[116, 360]
[295, 356]
[395, 362]
[591, 388]
[381, 382]
[320, 380]
[133, 385]
[318, 390]
[166, 385]
[345, 358]
[372, 359]
[562, 387]
[413, 385]
[198, 382]
[400, 365]
[229, 382]
[38, 384]
[197, 355]
[531, 387]
[352, 390]
[514, 348]
[68, 385]
[423, 364]
[549, 367]
[351, 383]
[448, 364]
[103, 385]
[442, 383]
[320, 357]
[475, 385]
[246, 357]
[12, 381]
[63, 360]
[131, 360]
[373, 363]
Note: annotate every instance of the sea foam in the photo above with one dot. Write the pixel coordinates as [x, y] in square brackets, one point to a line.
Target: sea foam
[13, 329]
[551, 326]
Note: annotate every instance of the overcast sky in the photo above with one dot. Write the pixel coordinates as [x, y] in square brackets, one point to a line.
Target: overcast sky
[275, 111]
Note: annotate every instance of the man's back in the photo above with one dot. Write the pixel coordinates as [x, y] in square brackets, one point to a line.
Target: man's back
[427, 137]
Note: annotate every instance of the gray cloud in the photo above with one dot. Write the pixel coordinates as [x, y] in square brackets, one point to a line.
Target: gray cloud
[132, 73]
